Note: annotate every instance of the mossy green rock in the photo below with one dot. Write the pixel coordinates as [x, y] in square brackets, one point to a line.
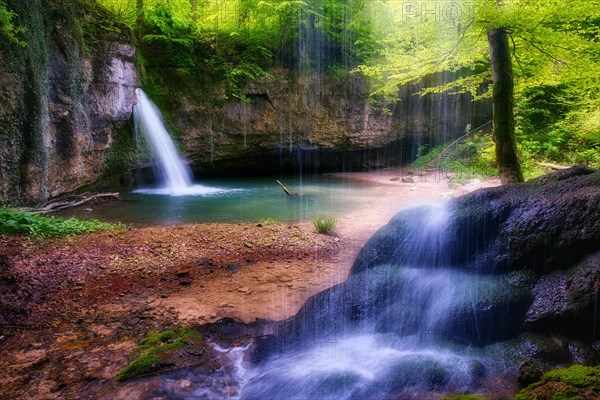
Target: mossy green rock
[158, 350]
[576, 382]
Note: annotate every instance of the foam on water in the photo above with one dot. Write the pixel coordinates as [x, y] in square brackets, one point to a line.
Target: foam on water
[192, 190]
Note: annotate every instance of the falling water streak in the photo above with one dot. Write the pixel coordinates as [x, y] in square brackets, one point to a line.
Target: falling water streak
[176, 175]
[236, 355]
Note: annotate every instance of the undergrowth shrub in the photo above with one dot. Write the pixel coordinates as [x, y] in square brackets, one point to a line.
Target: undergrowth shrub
[38, 226]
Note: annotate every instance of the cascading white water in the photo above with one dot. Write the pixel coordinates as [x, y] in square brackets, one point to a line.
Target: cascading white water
[176, 177]
[402, 329]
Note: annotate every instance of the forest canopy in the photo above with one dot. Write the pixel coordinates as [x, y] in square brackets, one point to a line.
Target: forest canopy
[555, 52]
[554, 45]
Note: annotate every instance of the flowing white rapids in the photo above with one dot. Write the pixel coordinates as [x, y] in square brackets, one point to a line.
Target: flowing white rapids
[396, 331]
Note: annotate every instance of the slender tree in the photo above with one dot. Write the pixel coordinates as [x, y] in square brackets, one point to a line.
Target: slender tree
[139, 22]
[194, 9]
[503, 103]
[549, 40]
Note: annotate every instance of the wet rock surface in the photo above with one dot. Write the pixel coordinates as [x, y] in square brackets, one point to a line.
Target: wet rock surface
[546, 224]
[531, 251]
[67, 95]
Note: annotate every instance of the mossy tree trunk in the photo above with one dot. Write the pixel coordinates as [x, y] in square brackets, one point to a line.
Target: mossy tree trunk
[503, 103]
[194, 9]
[139, 23]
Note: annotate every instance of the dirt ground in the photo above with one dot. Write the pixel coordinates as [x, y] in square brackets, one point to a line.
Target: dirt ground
[72, 310]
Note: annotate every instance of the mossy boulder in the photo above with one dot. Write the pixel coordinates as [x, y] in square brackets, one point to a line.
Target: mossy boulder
[159, 351]
[576, 382]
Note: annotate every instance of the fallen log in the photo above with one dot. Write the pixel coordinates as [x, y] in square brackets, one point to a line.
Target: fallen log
[69, 202]
[553, 166]
[286, 190]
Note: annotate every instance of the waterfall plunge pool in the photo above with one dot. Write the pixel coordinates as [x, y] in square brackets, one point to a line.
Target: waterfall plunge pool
[238, 200]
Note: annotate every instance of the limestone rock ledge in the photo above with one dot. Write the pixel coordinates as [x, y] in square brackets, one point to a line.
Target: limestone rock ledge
[64, 96]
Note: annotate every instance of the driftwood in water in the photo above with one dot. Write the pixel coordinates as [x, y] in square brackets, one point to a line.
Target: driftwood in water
[286, 190]
[552, 166]
[69, 201]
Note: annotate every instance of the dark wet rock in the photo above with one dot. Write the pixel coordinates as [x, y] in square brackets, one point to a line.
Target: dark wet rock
[501, 261]
[546, 224]
[545, 349]
[530, 371]
[567, 302]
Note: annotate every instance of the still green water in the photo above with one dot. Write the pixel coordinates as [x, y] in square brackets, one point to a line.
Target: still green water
[236, 200]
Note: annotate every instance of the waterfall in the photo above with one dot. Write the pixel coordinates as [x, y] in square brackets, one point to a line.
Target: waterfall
[176, 178]
[410, 324]
[175, 175]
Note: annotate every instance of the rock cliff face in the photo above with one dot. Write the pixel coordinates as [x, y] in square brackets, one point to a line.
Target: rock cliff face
[65, 95]
[318, 123]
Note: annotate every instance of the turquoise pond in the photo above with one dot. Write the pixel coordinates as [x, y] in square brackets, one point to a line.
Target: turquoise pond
[236, 200]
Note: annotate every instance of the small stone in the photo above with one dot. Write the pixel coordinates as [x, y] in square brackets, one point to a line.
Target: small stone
[530, 371]
[410, 179]
[231, 268]
[184, 273]
[185, 281]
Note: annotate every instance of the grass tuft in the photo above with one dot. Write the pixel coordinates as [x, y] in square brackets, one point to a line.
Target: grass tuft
[268, 221]
[325, 226]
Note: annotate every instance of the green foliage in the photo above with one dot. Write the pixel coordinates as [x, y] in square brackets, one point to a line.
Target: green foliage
[325, 226]
[268, 221]
[556, 61]
[426, 156]
[575, 382]
[39, 226]
[473, 157]
[9, 29]
[153, 351]
[558, 123]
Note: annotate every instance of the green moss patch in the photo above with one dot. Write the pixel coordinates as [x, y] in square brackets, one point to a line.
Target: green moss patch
[158, 351]
[576, 382]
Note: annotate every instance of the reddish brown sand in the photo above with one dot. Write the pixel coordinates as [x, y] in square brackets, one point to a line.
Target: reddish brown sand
[75, 307]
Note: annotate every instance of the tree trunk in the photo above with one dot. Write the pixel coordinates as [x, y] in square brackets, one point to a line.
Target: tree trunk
[139, 22]
[503, 101]
[194, 8]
